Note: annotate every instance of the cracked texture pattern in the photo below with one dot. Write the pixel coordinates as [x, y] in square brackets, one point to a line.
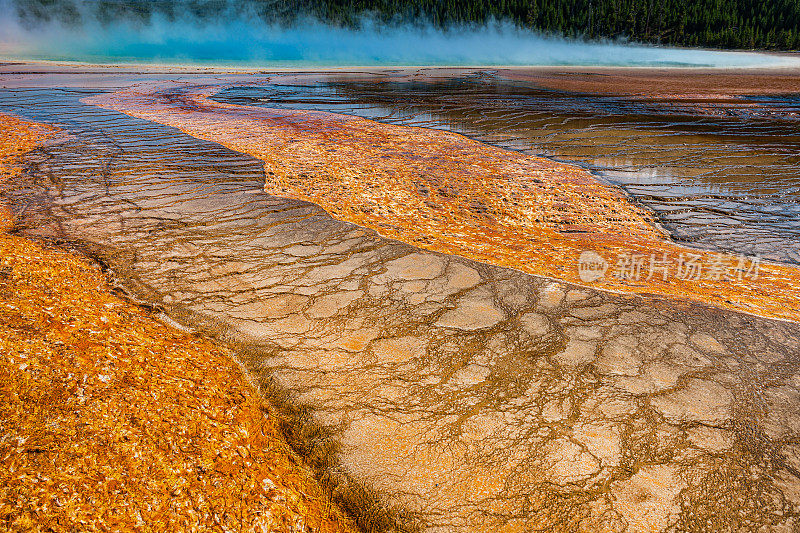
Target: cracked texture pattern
[468, 396]
[445, 192]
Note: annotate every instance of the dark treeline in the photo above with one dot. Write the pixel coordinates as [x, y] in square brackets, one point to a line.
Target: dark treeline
[766, 24]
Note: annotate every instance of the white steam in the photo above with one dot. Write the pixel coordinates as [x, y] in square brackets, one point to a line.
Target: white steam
[237, 39]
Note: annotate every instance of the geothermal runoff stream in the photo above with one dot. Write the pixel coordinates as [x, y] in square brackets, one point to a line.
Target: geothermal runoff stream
[468, 395]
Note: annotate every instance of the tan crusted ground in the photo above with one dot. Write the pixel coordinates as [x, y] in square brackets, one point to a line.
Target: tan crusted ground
[112, 421]
[445, 192]
[652, 82]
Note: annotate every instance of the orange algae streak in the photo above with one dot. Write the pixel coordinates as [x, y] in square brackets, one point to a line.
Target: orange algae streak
[113, 420]
[17, 137]
[444, 192]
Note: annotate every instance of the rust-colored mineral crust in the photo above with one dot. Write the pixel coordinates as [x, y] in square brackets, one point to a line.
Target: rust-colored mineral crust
[113, 421]
[445, 192]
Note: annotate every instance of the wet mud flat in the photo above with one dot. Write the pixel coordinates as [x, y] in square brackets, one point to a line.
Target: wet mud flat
[462, 396]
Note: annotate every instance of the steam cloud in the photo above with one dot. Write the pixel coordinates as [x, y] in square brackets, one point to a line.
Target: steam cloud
[234, 38]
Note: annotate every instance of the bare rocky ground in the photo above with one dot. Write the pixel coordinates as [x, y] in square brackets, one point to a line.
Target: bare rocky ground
[467, 397]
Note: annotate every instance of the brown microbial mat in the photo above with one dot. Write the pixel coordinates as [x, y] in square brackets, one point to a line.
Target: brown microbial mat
[112, 420]
[445, 192]
[414, 368]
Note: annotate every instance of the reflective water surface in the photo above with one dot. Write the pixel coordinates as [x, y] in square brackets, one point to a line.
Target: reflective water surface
[721, 173]
[468, 397]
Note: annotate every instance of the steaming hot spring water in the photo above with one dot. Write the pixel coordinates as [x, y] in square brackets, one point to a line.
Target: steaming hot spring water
[466, 394]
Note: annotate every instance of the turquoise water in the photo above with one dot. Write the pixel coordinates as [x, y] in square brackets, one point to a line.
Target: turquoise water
[248, 43]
